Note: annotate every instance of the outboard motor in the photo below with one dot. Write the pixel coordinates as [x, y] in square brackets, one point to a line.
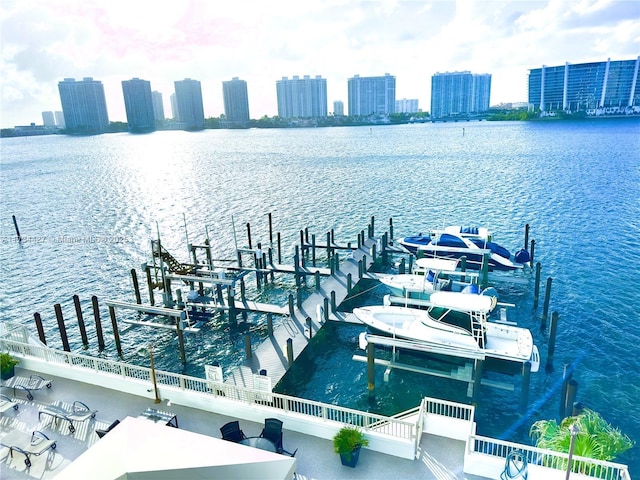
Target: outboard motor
[522, 256]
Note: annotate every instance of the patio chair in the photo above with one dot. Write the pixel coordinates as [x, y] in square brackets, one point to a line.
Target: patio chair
[102, 432]
[35, 443]
[231, 431]
[7, 403]
[273, 431]
[79, 412]
[28, 384]
[515, 467]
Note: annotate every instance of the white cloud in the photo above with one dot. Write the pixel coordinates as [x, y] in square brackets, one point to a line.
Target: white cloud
[45, 41]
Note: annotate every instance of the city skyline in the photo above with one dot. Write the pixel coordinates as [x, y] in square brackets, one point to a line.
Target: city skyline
[46, 41]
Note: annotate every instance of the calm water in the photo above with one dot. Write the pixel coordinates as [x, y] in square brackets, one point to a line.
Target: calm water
[88, 208]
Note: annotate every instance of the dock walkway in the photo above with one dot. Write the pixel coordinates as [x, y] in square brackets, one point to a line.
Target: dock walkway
[271, 354]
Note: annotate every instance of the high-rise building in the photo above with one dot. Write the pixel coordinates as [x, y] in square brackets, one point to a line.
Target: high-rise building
[83, 105]
[138, 105]
[189, 104]
[304, 97]
[597, 87]
[459, 94]
[372, 95]
[406, 105]
[236, 102]
[59, 119]
[338, 108]
[158, 107]
[174, 107]
[48, 120]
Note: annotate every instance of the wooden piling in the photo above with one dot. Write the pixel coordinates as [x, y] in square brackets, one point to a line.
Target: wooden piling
[15, 224]
[147, 270]
[373, 222]
[371, 371]
[270, 230]
[524, 388]
[326, 309]
[96, 317]
[279, 250]
[81, 326]
[179, 301]
[313, 249]
[349, 283]
[485, 271]
[526, 236]
[270, 324]
[39, 327]
[292, 311]
[232, 306]
[249, 234]
[183, 357]
[333, 301]
[391, 229]
[247, 347]
[536, 293]
[532, 251]
[316, 276]
[545, 309]
[299, 297]
[328, 245]
[116, 333]
[296, 265]
[61, 327]
[552, 341]
[566, 377]
[136, 287]
[572, 393]
[402, 268]
[310, 327]
[290, 352]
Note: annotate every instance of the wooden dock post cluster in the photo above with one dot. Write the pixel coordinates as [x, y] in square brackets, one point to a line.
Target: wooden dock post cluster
[62, 327]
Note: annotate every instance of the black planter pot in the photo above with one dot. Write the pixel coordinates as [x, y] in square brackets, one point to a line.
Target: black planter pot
[7, 373]
[350, 460]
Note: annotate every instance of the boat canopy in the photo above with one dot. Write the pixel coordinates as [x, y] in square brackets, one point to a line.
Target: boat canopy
[437, 264]
[462, 302]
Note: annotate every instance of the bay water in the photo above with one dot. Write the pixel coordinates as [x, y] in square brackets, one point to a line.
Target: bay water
[88, 207]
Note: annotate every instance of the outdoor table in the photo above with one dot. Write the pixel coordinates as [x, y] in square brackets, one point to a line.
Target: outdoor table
[259, 442]
[160, 416]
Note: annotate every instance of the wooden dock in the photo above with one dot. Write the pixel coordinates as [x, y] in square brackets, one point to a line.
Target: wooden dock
[272, 354]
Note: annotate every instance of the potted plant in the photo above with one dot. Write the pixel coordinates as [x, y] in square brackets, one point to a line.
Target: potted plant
[347, 442]
[7, 365]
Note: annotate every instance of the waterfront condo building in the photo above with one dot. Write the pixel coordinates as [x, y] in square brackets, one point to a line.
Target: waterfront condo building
[338, 108]
[455, 94]
[189, 104]
[407, 105]
[596, 88]
[236, 102]
[59, 119]
[48, 119]
[304, 97]
[158, 107]
[83, 105]
[371, 95]
[138, 104]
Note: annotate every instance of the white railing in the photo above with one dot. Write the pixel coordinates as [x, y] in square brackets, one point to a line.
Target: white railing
[381, 424]
[548, 459]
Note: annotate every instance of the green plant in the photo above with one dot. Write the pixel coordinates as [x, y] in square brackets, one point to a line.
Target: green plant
[7, 361]
[347, 440]
[595, 438]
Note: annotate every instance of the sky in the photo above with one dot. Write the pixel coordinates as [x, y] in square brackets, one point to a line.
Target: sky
[45, 41]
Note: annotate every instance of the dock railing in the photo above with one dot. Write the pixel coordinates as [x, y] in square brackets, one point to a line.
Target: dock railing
[487, 456]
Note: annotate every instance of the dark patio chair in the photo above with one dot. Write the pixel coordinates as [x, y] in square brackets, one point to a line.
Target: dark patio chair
[231, 431]
[102, 433]
[291, 454]
[515, 467]
[273, 431]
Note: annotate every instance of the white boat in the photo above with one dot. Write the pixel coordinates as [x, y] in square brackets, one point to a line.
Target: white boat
[456, 242]
[456, 321]
[430, 275]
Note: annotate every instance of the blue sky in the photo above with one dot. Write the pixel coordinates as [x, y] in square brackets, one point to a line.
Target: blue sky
[44, 41]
